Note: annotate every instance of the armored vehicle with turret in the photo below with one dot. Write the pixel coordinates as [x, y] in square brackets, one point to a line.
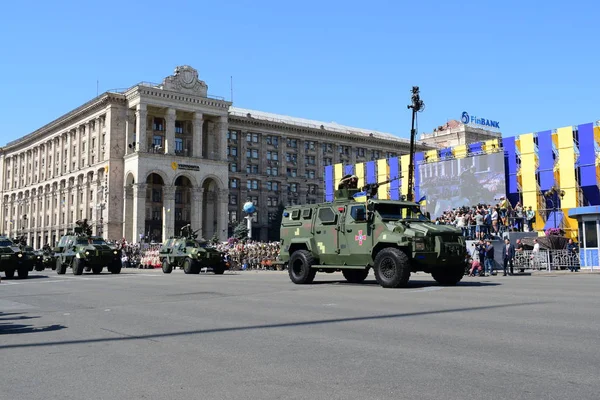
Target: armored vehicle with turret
[189, 252]
[13, 257]
[81, 251]
[357, 232]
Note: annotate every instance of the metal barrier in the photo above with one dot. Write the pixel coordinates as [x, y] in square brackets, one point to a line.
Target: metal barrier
[546, 259]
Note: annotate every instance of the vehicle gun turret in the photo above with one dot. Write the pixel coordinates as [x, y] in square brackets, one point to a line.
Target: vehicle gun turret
[188, 232]
[348, 188]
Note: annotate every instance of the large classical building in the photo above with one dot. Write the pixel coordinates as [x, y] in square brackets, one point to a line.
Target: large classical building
[143, 162]
[455, 133]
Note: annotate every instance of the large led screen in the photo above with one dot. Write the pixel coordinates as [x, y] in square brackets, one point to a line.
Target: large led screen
[462, 182]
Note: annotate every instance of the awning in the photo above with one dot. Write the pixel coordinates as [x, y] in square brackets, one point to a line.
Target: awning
[554, 219]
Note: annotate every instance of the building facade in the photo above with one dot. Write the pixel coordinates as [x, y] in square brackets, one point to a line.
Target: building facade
[141, 163]
[455, 133]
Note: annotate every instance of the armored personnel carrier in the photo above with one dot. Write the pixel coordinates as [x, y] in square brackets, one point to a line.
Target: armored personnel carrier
[357, 232]
[190, 253]
[80, 251]
[14, 258]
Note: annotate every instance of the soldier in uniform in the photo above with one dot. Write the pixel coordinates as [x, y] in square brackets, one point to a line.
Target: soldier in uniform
[348, 182]
[83, 223]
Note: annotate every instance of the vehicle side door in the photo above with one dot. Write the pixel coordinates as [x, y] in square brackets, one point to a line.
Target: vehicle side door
[357, 235]
[326, 235]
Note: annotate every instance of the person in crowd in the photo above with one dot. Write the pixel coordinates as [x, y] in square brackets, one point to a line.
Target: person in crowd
[508, 256]
[530, 216]
[519, 248]
[489, 258]
[573, 251]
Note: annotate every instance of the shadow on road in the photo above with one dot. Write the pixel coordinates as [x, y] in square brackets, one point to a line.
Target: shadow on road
[32, 275]
[263, 326]
[412, 284]
[11, 328]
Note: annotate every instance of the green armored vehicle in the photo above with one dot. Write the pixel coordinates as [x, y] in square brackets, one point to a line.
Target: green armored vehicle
[81, 251]
[357, 232]
[14, 258]
[46, 258]
[190, 253]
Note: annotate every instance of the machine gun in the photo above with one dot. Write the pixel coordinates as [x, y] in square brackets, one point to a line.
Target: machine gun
[187, 232]
[20, 241]
[370, 189]
[83, 228]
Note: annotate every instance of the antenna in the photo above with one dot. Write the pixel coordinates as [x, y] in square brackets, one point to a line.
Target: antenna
[231, 87]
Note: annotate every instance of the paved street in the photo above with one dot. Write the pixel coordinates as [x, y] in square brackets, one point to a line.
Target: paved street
[255, 335]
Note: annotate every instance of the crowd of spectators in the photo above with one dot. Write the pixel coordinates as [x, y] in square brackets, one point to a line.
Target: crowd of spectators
[240, 255]
[484, 221]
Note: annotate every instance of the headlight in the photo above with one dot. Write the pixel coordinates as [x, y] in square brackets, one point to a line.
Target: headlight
[419, 243]
[19, 255]
[115, 252]
[39, 257]
[87, 253]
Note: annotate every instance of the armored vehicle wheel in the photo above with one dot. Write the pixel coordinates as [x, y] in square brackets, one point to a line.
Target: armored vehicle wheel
[39, 268]
[355, 275]
[115, 267]
[191, 266]
[166, 267]
[23, 272]
[450, 275]
[9, 273]
[218, 269]
[392, 268]
[60, 267]
[96, 270]
[78, 266]
[300, 269]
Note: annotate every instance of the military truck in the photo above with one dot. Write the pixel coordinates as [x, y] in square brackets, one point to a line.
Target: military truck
[13, 258]
[80, 251]
[357, 232]
[190, 253]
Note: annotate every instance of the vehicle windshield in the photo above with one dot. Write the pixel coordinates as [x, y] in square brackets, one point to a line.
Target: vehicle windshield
[197, 244]
[91, 241]
[6, 243]
[395, 212]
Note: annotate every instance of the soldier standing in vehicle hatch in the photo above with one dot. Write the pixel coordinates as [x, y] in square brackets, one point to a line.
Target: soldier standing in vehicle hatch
[348, 182]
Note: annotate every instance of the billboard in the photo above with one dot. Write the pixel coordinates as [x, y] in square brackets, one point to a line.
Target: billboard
[462, 182]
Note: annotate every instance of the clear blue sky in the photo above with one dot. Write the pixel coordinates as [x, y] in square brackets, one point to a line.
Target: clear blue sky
[531, 67]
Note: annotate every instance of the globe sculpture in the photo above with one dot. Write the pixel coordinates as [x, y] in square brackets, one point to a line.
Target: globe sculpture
[249, 207]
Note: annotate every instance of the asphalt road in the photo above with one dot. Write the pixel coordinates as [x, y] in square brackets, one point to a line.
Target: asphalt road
[255, 335]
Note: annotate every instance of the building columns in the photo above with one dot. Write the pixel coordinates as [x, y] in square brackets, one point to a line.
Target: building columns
[196, 206]
[170, 131]
[141, 115]
[128, 197]
[197, 135]
[139, 211]
[168, 215]
[222, 141]
[130, 137]
[222, 217]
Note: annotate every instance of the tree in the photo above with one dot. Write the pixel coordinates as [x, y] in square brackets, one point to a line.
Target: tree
[240, 232]
[275, 223]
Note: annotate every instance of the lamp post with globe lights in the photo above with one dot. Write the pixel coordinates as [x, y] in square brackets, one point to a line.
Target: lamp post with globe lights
[249, 209]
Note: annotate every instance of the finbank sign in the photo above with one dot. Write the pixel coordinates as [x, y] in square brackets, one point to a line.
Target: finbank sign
[471, 119]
